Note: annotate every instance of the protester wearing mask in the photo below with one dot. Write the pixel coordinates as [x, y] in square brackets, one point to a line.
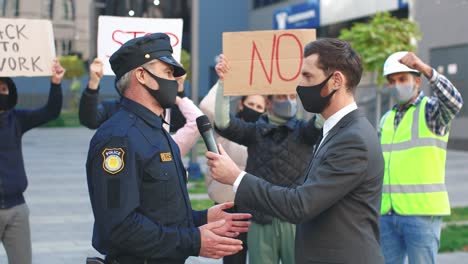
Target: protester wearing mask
[14, 212]
[336, 207]
[279, 148]
[415, 131]
[249, 109]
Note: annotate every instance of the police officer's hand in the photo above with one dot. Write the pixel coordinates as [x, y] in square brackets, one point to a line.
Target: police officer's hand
[96, 71]
[235, 222]
[57, 72]
[222, 67]
[215, 246]
[222, 167]
[413, 62]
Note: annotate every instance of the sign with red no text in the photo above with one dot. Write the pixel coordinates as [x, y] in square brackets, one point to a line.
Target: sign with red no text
[114, 31]
[264, 62]
[26, 47]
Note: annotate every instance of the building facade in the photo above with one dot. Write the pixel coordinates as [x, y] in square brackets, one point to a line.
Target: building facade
[444, 49]
[69, 19]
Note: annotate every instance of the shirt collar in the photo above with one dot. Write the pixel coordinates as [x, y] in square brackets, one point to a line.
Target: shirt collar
[336, 117]
[289, 123]
[142, 112]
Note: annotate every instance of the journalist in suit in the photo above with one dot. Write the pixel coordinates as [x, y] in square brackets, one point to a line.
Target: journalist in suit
[337, 207]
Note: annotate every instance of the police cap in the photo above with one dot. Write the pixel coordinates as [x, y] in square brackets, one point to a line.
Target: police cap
[141, 50]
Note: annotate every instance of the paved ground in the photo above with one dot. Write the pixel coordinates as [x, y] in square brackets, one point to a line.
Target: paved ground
[61, 217]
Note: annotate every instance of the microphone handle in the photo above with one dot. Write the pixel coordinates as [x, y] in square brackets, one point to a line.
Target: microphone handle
[209, 141]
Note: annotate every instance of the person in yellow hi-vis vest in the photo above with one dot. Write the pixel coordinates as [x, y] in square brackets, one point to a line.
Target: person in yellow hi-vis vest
[414, 135]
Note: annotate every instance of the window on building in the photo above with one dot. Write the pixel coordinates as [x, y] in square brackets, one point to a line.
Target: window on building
[48, 9]
[263, 3]
[9, 8]
[64, 46]
[59, 9]
[68, 9]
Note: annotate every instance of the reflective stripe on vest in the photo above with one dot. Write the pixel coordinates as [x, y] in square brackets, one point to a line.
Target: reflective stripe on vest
[414, 179]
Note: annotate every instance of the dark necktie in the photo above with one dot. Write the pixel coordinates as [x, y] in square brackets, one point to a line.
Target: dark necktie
[317, 143]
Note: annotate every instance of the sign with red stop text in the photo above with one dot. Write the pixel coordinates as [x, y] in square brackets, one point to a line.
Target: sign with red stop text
[113, 32]
[264, 62]
[26, 47]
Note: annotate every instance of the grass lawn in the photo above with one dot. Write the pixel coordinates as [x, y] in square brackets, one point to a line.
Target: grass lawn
[454, 238]
[201, 204]
[67, 118]
[197, 186]
[458, 214]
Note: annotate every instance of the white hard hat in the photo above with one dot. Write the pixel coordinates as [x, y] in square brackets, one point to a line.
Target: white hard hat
[392, 64]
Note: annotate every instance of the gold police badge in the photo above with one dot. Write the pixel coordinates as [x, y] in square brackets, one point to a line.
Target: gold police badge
[113, 160]
[166, 156]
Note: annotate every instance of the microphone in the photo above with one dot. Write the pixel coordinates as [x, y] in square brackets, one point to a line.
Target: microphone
[206, 131]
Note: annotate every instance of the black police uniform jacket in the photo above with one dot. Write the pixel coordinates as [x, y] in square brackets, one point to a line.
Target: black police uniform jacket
[137, 187]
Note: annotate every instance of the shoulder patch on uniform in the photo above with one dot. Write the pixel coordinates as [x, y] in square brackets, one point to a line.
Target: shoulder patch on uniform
[113, 160]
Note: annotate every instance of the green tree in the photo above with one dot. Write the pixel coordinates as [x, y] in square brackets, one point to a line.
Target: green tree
[185, 60]
[378, 39]
[75, 69]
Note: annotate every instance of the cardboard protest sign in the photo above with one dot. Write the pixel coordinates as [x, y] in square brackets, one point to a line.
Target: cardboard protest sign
[26, 47]
[264, 62]
[113, 32]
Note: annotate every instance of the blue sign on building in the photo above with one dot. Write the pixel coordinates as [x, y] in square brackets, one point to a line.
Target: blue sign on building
[303, 15]
[402, 4]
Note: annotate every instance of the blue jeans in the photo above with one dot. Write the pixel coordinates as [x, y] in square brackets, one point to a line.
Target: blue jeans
[417, 237]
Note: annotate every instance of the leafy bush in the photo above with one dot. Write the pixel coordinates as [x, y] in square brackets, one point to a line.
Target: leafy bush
[379, 38]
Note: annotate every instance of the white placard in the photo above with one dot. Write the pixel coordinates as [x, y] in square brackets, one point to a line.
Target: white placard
[114, 31]
[26, 47]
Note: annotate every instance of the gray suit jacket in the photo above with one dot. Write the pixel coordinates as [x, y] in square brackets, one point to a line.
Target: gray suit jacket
[337, 208]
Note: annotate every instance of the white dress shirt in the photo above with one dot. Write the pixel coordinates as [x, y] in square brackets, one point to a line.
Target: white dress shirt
[335, 118]
[327, 126]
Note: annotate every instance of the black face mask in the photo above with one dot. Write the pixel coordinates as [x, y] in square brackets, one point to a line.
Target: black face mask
[4, 102]
[167, 92]
[311, 99]
[248, 114]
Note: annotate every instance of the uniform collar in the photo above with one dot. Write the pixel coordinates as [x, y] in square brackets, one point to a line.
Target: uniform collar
[142, 112]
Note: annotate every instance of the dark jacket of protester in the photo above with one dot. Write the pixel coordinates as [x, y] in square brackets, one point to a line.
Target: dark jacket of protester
[91, 113]
[278, 154]
[13, 124]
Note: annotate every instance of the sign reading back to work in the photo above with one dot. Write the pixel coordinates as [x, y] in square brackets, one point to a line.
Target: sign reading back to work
[26, 47]
[264, 62]
[115, 31]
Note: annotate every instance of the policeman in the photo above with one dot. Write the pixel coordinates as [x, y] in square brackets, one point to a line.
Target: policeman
[136, 178]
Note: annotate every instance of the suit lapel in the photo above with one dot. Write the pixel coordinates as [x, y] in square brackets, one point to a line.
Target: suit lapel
[342, 123]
